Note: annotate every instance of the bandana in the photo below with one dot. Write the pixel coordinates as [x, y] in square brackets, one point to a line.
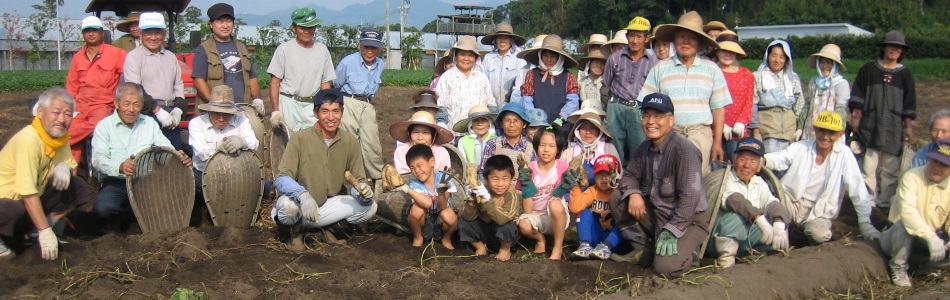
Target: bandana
[51, 144]
[825, 82]
[555, 71]
[589, 151]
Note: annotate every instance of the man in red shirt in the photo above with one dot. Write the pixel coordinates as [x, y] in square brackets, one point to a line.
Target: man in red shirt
[92, 79]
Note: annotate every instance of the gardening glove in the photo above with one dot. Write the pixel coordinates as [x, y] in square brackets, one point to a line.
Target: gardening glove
[779, 236]
[766, 229]
[444, 185]
[365, 191]
[528, 189]
[666, 244]
[559, 121]
[176, 116]
[164, 118]
[49, 244]
[938, 251]
[258, 105]
[727, 132]
[233, 144]
[59, 177]
[402, 188]
[567, 183]
[276, 118]
[868, 231]
[482, 191]
[738, 130]
[798, 134]
[308, 207]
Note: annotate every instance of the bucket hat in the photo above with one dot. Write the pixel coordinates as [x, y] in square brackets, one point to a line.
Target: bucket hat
[537, 117]
[511, 107]
[829, 51]
[400, 130]
[503, 29]
[592, 118]
[587, 106]
[440, 65]
[732, 47]
[594, 53]
[619, 38]
[425, 98]
[222, 101]
[535, 44]
[465, 42]
[553, 43]
[593, 42]
[124, 26]
[477, 111]
[894, 37]
[691, 21]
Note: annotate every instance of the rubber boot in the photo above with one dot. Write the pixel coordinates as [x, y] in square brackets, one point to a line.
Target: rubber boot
[726, 247]
[296, 238]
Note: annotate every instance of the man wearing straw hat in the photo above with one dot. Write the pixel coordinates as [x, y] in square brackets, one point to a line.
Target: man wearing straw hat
[695, 84]
[464, 86]
[502, 66]
[623, 78]
[131, 39]
[223, 60]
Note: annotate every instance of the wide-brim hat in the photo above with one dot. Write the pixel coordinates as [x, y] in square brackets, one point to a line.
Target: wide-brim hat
[512, 107]
[691, 21]
[587, 106]
[829, 51]
[535, 44]
[502, 29]
[594, 53]
[425, 98]
[595, 41]
[440, 64]
[894, 37]
[400, 130]
[619, 38]
[124, 26]
[715, 25]
[732, 47]
[477, 111]
[592, 118]
[222, 101]
[553, 43]
[467, 43]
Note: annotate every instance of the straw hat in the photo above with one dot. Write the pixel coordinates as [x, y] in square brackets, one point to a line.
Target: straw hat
[732, 47]
[595, 41]
[595, 53]
[440, 65]
[619, 38]
[425, 98]
[691, 21]
[715, 25]
[538, 40]
[124, 26]
[222, 101]
[477, 111]
[554, 43]
[465, 42]
[400, 130]
[502, 29]
[587, 106]
[592, 118]
[829, 51]
[728, 35]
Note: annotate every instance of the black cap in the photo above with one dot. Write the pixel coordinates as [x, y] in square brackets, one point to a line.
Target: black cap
[331, 95]
[751, 145]
[658, 102]
[221, 9]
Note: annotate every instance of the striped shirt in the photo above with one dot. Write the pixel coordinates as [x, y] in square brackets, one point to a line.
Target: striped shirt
[624, 76]
[695, 91]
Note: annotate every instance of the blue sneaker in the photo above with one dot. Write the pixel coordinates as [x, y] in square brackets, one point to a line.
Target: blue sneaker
[583, 251]
[600, 252]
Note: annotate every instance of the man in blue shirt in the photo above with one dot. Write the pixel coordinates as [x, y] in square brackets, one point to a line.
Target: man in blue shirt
[358, 76]
[939, 129]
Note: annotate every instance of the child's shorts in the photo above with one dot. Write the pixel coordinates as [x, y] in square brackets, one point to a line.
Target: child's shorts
[542, 221]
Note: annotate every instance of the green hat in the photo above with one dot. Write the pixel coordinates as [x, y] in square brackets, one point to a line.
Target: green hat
[305, 17]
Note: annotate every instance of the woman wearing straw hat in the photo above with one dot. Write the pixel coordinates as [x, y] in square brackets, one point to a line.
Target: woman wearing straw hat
[445, 63]
[592, 71]
[420, 130]
[516, 90]
[741, 84]
[779, 97]
[478, 130]
[589, 139]
[133, 38]
[548, 86]
[713, 29]
[615, 44]
[464, 86]
[425, 100]
[502, 66]
[827, 91]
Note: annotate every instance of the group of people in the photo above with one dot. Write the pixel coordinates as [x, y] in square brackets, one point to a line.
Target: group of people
[619, 149]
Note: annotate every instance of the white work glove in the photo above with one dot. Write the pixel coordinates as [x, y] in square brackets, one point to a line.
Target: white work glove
[308, 207]
[258, 104]
[49, 244]
[868, 231]
[738, 130]
[59, 177]
[164, 118]
[766, 229]
[798, 134]
[482, 191]
[276, 118]
[779, 236]
[232, 144]
[176, 116]
[365, 191]
[402, 188]
[727, 132]
[938, 250]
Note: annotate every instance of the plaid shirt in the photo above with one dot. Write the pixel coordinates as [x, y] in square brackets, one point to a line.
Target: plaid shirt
[528, 88]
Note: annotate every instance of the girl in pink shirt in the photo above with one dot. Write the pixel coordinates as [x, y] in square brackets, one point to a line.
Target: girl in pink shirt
[545, 211]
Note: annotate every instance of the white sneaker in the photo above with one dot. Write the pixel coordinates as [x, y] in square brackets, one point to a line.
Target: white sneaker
[900, 278]
[5, 253]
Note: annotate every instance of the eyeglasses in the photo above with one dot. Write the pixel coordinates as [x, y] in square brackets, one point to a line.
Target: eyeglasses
[655, 117]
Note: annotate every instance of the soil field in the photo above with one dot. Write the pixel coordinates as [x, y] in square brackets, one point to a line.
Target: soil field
[252, 263]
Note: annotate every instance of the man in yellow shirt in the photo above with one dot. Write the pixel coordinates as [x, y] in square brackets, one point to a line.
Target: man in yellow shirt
[36, 181]
[920, 218]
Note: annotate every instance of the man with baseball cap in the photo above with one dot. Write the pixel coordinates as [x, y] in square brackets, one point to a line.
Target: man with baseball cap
[223, 60]
[665, 170]
[156, 70]
[751, 217]
[816, 170]
[299, 69]
[93, 76]
[131, 39]
[920, 220]
[358, 76]
[624, 75]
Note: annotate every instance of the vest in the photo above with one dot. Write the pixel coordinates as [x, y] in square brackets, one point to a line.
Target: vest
[550, 98]
[468, 143]
[216, 67]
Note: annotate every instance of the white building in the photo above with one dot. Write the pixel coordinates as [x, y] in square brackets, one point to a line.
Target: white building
[802, 30]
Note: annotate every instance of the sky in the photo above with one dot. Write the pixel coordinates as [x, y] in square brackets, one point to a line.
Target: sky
[334, 11]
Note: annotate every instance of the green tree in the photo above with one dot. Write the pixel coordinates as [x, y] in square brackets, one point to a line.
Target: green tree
[411, 46]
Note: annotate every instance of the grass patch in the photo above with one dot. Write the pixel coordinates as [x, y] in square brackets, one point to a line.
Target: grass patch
[20, 81]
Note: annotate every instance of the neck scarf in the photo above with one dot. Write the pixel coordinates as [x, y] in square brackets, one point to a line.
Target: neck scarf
[50, 144]
[555, 71]
[589, 151]
[825, 82]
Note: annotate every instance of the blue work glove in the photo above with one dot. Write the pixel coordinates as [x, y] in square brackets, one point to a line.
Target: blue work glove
[666, 244]
[308, 207]
[528, 189]
[567, 183]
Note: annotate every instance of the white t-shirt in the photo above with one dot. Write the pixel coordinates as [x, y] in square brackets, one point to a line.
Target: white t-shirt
[816, 182]
[300, 69]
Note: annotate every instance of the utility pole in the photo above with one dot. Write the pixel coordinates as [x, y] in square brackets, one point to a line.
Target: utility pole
[388, 48]
[59, 45]
[403, 11]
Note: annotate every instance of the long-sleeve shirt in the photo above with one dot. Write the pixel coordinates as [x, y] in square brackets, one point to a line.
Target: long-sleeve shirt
[741, 88]
[842, 169]
[158, 73]
[886, 97]
[312, 164]
[93, 83]
[624, 76]
[757, 191]
[502, 72]
[695, 91]
[590, 88]
[354, 77]
[204, 137]
[458, 93]
[24, 166]
[923, 205]
[500, 146]
[442, 158]
[572, 102]
[583, 199]
[501, 209]
[921, 158]
[113, 142]
[670, 178]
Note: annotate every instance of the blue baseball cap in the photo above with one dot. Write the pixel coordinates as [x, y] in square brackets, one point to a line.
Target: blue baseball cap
[658, 102]
[751, 145]
[371, 37]
[941, 151]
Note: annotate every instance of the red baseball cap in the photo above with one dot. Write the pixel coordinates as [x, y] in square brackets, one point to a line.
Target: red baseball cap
[606, 163]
